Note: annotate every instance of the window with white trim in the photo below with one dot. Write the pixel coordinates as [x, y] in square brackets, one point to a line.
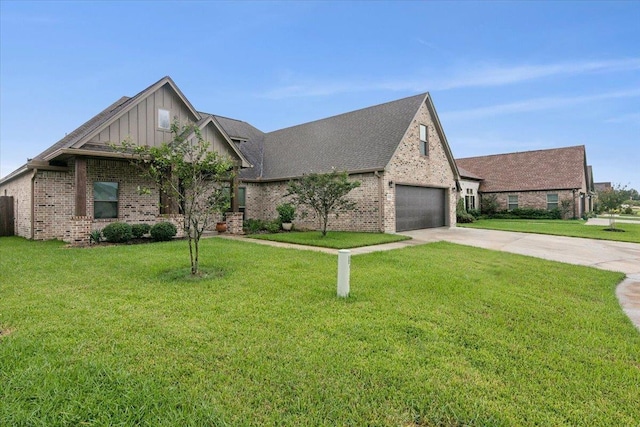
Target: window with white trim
[552, 201]
[164, 119]
[424, 140]
[469, 200]
[512, 202]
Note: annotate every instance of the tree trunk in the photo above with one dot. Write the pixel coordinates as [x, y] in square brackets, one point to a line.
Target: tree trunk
[194, 265]
[612, 221]
[194, 269]
[325, 220]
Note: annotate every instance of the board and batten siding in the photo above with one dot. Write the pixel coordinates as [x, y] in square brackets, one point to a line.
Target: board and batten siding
[140, 124]
[218, 142]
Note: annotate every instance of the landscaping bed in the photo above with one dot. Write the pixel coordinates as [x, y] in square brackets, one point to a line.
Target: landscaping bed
[333, 239]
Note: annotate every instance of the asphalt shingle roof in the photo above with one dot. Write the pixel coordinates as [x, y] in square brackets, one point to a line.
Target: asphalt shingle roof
[558, 168]
[87, 127]
[251, 146]
[360, 140]
[466, 174]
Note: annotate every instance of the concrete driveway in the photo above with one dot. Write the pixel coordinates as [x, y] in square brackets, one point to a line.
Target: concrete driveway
[603, 254]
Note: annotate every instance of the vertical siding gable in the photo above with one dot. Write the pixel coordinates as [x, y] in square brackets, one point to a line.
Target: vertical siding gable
[218, 142]
[140, 123]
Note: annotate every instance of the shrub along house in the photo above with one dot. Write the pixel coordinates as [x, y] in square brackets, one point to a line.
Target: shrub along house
[540, 179]
[398, 150]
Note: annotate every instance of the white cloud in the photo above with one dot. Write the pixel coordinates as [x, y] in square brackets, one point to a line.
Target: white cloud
[491, 75]
[473, 75]
[625, 118]
[536, 104]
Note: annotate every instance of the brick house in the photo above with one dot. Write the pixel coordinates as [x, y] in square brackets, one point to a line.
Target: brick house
[397, 150]
[539, 179]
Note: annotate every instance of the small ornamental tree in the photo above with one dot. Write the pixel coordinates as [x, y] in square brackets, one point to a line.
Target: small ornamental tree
[489, 204]
[325, 194]
[610, 200]
[192, 175]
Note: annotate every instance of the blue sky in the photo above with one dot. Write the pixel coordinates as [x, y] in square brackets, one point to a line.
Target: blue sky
[504, 76]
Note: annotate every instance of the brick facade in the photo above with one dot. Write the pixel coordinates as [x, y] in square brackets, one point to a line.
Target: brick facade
[53, 204]
[54, 201]
[133, 207]
[408, 166]
[375, 198]
[80, 229]
[263, 198]
[538, 200]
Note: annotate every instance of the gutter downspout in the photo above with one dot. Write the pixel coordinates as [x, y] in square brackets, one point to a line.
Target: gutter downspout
[33, 203]
[380, 197]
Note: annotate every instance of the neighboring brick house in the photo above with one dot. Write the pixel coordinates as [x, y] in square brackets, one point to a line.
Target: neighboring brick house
[602, 186]
[397, 150]
[539, 179]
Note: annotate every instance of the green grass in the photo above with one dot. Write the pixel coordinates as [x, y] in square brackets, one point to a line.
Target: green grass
[575, 228]
[431, 335]
[333, 239]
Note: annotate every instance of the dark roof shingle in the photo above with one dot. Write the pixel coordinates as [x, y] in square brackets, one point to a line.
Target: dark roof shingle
[251, 145]
[558, 168]
[360, 140]
[86, 127]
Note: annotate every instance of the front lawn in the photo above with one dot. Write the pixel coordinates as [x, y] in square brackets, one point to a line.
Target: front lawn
[333, 239]
[431, 335]
[572, 228]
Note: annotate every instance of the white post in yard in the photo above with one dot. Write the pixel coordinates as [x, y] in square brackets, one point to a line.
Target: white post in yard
[344, 267]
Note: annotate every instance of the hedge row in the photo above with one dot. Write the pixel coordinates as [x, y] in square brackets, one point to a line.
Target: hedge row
[121, 232]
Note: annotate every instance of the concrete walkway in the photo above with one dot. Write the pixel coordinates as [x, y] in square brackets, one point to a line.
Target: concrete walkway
[605, 221]
[602, 254]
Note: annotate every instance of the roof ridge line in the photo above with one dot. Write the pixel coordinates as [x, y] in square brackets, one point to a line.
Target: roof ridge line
[523, 152]
[423, 94]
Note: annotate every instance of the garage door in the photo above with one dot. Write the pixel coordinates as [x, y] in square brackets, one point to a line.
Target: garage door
[419, 207]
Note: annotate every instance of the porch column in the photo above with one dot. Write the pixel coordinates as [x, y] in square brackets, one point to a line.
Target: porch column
[81, 186]
[234, 189]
